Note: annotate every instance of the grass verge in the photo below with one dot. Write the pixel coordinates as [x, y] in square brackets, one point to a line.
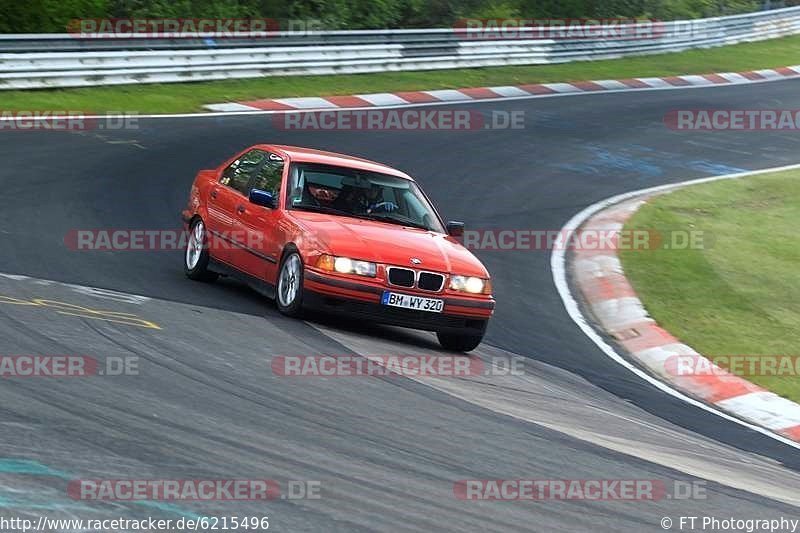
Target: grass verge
[189, 97]
[739, 293]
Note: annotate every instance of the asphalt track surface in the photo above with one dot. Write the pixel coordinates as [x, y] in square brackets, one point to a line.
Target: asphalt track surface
[386, 451]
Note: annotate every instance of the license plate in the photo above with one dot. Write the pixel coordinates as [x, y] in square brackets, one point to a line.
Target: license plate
[418, 303]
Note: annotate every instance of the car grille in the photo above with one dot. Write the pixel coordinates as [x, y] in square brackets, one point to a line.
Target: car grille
[402, 277]
[425, 281]
[429, 281]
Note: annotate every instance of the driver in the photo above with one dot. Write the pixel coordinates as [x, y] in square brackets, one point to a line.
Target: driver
[364, 201]
[374, 200]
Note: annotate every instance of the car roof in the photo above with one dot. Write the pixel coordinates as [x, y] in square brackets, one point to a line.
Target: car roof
[310, 155]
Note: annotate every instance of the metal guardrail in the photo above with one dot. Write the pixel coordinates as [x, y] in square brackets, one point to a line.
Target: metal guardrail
[50, 61]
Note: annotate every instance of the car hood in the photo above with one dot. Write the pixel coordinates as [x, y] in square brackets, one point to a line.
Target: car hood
[391, 244]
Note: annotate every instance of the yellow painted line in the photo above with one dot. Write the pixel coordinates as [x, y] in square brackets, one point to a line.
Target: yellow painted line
[68, 309]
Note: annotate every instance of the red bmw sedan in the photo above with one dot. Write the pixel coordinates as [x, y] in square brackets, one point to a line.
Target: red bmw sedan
[318, 230]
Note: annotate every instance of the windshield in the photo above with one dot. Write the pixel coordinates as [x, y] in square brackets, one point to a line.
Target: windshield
[360, 194]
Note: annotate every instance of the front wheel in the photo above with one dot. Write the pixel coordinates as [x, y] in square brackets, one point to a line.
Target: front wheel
[290, 285]
[195, 260]
[459, 342]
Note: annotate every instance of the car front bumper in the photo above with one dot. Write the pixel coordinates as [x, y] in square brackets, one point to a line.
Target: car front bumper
[349, 297]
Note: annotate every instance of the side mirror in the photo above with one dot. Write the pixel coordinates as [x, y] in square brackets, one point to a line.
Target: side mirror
[455, 229]
[263, 198]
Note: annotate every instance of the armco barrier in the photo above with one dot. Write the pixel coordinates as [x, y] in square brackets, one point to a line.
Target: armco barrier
[41, 61]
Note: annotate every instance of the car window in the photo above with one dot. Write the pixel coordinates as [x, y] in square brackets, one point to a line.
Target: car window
[269, 177]
[237, 175]
[413, 204]
[350, 192]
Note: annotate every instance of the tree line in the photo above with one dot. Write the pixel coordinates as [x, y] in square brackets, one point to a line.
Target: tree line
[53, 16]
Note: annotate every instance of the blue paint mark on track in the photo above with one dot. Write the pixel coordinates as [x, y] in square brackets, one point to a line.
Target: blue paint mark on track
[35, 468]
[641, 161]
[715, 169]
[25, 466]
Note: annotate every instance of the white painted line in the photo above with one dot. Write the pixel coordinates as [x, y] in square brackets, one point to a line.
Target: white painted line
[382, 99]
[215, 114]
[563, 88]
[795, 68]
[611, 84]
[15, 277]
[509, 90]
[107, 294]
[230, 107]
[655, 82]
[558, 266]
[449, 95]
[94, 292]
[309, 102]
[765, 408]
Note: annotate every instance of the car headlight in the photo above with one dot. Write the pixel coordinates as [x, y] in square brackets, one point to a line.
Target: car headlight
[345, 265]
[470, 284]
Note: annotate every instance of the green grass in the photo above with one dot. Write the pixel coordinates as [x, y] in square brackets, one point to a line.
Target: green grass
[740, 295]
[189, 97]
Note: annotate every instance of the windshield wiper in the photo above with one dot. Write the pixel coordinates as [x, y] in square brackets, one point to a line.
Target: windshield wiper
[391, 219]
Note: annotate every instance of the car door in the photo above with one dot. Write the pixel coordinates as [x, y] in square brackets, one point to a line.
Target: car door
[226, 197]
[261, 225]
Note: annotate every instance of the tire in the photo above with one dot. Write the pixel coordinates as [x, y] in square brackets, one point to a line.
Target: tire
[195, 258]
[458, 342]
[289, 289]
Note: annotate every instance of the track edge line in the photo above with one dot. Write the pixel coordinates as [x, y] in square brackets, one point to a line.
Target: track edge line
[558, 266]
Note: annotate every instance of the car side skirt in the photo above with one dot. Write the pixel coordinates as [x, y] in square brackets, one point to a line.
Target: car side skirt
[259, 285]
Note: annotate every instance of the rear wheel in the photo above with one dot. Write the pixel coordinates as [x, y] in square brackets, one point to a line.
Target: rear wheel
[459, 342]
[289, 297]
[195, 260]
